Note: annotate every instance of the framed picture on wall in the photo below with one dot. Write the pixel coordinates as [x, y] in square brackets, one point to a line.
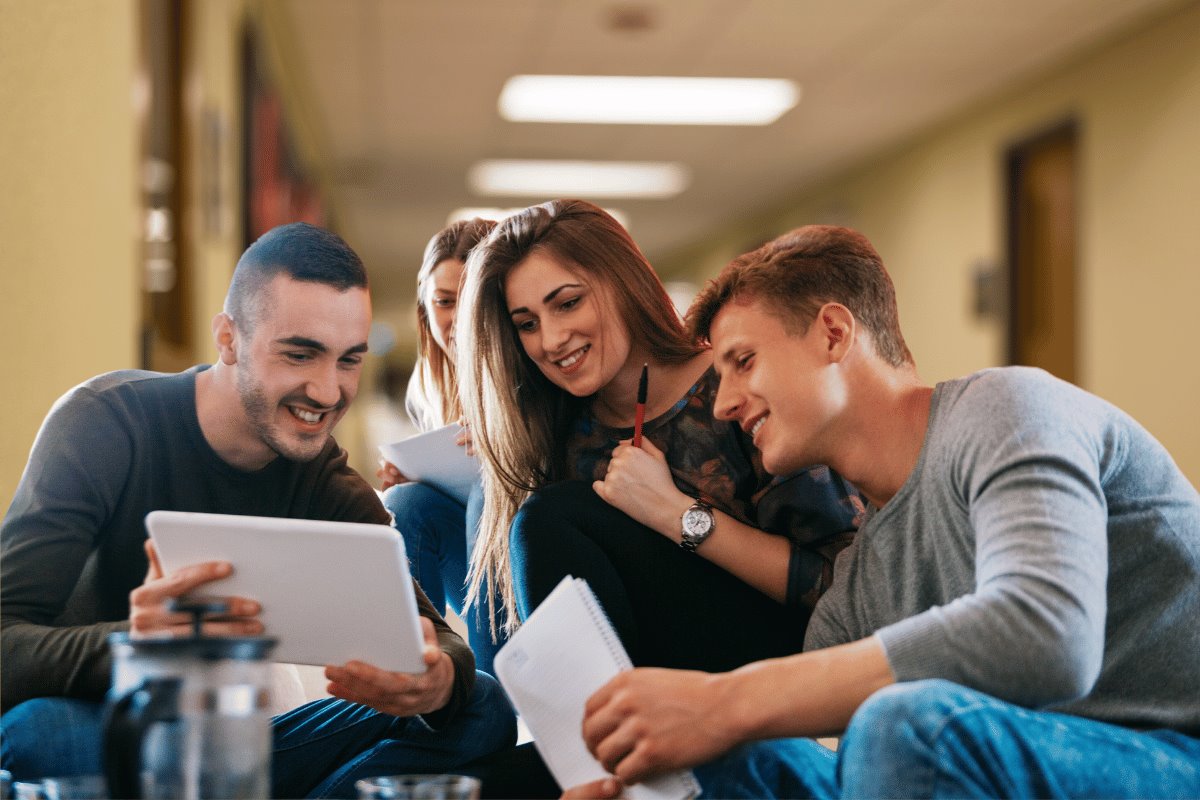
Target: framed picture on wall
[277, 187]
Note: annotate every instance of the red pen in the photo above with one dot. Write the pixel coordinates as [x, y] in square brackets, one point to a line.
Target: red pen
[640, 414]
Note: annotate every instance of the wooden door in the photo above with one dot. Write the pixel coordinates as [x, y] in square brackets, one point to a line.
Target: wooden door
[1043, 302]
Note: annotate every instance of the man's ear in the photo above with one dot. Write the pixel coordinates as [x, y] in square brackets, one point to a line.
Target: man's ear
[838, 330]
[225, 337]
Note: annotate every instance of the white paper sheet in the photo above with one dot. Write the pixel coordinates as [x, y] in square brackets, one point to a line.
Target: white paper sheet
[435, 459]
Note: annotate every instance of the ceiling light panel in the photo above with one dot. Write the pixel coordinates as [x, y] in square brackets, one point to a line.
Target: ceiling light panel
[629, 100]
[590, 179]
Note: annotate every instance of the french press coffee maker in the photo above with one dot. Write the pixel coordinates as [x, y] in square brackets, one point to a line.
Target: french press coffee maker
[188, 717]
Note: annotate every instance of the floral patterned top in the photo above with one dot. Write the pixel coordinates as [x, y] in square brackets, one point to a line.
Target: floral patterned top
[715, 461]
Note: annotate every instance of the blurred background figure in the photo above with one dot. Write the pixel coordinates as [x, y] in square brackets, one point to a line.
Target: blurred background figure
[439, 531]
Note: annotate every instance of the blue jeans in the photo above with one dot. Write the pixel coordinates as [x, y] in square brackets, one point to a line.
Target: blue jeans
[52, 736]
[435, 528]
[937, 739]
[321, 748]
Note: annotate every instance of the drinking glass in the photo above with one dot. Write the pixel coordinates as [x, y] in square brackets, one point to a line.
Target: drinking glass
[418, 787]
[28, 790]
[75, 787]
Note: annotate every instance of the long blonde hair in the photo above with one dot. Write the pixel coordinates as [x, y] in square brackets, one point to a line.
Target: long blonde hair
[432, 398]
[520, 421]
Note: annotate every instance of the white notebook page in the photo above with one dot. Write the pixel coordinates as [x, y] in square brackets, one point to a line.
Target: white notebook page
[560, 656]
[435, 459]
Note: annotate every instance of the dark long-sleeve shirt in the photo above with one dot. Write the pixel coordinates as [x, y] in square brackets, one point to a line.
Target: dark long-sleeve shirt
[110, 451]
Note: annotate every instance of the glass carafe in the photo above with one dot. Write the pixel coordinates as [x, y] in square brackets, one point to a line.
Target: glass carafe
[188, 718]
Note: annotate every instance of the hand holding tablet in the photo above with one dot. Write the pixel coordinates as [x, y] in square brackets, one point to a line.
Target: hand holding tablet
[395, 693]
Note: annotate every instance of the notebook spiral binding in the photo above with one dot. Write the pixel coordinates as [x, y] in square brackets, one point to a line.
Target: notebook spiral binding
[684, 781]
[611, 641]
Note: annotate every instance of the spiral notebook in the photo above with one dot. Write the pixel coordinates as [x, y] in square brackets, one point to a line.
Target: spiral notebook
[556, 660]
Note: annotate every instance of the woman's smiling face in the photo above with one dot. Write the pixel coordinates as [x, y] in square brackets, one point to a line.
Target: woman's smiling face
[568, 326]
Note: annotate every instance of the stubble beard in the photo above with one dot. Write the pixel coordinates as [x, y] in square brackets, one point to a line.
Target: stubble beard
[260, 414]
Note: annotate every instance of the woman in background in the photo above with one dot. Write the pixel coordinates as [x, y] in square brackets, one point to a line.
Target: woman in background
[438, 530]
[562, 311]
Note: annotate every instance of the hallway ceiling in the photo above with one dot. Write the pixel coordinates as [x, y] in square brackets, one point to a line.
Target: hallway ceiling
[402, 95]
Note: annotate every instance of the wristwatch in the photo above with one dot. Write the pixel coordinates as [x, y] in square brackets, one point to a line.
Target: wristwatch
[698, 524]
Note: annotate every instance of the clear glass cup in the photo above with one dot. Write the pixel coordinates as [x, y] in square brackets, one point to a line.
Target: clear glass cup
[75, 787]
[418, 787]
[28, 790]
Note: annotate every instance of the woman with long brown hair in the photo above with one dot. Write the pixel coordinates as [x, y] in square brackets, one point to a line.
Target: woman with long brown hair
[700, 557]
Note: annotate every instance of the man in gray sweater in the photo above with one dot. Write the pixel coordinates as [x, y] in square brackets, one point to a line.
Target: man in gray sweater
[1018, 617]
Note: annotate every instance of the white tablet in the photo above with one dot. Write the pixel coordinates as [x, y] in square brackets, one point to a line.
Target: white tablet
[331, 592]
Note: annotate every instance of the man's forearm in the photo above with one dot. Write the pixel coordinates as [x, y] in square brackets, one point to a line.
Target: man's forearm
[808, 694]
[41, 661]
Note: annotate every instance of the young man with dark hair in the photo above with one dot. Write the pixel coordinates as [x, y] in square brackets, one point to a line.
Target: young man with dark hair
[250, 434]
[1020, 614]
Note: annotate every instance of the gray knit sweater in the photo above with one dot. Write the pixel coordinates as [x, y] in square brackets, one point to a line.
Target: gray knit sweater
[1045, 550]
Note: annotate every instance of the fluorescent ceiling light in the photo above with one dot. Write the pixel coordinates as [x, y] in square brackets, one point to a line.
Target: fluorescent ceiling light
[588, 179]
[489, 212]
[646, 100]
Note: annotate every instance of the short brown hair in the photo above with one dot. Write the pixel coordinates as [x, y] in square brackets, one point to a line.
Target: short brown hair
[800, 271]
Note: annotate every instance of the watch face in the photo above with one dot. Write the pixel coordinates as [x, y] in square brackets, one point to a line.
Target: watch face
[696, 523]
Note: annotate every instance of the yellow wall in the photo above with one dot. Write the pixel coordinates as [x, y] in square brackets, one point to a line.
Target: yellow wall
[935, 207]
[69, 227]
[212, 151]
[70, 279]
[68, 209]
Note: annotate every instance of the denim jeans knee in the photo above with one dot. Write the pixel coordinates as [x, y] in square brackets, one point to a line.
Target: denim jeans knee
[791, 768]
[323, 747]
[433, 526]
[48, 736]
[409, 502]
[891, 743]
[938, 739]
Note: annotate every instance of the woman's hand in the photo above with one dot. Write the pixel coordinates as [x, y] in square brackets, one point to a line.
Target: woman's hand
[639, 483]
[400, 694]
[389, 475]
[464, 438]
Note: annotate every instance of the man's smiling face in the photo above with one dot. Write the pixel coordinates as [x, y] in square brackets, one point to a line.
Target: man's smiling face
[299, 365]
[776, 385]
